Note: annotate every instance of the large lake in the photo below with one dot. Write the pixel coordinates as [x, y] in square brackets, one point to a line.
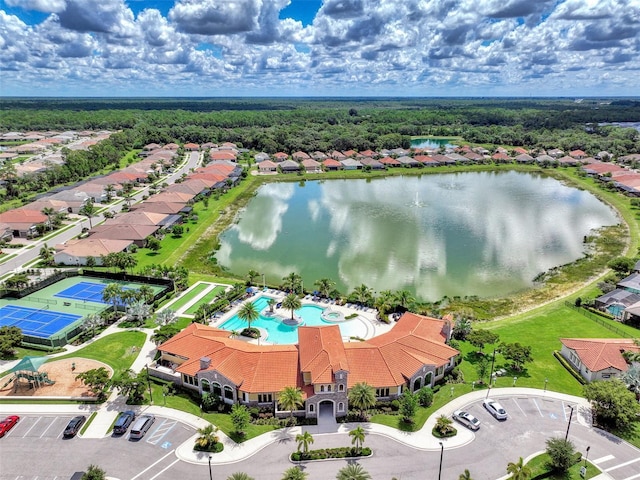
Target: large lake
[478, 233]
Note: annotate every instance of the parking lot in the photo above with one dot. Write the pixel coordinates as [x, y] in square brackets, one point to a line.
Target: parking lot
[58, 458]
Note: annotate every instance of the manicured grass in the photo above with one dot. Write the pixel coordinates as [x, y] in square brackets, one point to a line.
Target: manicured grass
[182, 301]
[539, 469]
[206, 299]
[184, 403]
[118, 350]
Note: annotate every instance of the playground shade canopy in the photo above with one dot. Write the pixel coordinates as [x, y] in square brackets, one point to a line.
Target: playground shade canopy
[30, 364]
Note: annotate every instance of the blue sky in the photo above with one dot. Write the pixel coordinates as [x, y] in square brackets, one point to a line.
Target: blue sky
[320, 47]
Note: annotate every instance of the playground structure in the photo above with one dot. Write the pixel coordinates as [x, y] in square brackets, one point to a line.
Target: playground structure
[29, 379]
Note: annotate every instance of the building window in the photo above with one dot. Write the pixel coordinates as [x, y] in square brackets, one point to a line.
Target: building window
[341, 407]
[328, 388]
[341, 388]
[311, 408]
[265, 398]
[606, 375]
[228, 392]
[322, 388]
[206, 386]
[382, 392]
[216, 389]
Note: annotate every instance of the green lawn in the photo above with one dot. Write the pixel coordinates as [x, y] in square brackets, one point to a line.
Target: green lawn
[182, 301]
[539, 469]
[206, 299]
[118, 350]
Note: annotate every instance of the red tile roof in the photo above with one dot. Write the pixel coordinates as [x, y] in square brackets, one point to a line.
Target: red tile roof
[601, 353]
[322, 352]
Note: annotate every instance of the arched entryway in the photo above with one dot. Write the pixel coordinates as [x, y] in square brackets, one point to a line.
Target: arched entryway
[326, 415]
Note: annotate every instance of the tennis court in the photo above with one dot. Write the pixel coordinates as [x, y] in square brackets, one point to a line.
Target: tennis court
[86, 291]
[35, 322]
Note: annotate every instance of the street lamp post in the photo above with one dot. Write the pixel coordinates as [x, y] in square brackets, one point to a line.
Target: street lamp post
[586, 457]
[493, 361]
[515, 379]
[569, 425]
[441, 454]
[264, 283]
[149, 385]
[210, 474]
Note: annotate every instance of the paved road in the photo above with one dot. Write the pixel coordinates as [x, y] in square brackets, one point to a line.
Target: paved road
[27, 255]
[532, 420]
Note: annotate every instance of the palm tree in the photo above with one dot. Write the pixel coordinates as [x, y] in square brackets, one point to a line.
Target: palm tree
[249, 313]
[292, 282]
[92, 321]
[290, 398]
[384, 302]
[252, 275]
[362, 294]
[353, 471]
[89, 210]
[139, 311]
[632, 379]
[444, 425]
[294, 473]
[166, 317]
[239, 476]
[518, 470]
[48, 211]
[112, 293]
[362, 396]
[404, 299]
[207, 436]
[145, 292]
[272, 302]
[304, 440]
[46, 254]
[109, 189]
[291, 302]
[465, 476]
[357, 437]
[325, 286]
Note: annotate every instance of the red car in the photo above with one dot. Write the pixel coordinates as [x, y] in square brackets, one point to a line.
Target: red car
[7, 424]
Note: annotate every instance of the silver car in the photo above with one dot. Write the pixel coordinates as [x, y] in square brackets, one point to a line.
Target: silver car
[466, 419]
[495, 409]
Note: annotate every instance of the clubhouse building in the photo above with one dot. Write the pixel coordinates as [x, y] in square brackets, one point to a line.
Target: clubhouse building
[411, 355]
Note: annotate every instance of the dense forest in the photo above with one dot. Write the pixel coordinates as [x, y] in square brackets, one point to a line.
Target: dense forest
[325, 124]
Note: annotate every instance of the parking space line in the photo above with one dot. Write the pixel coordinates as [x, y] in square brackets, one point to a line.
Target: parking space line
[606, 458]
[48, 427]
[537, 406]
[152, 465]
[165, 469]
[632, 477]
[518, 405]
[622, 465]
[34, 424]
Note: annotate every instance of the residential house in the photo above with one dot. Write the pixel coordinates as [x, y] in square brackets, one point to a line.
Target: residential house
[136, 233]
[331, 164]
[578, 154]
[267, 166]
[311, 166]
[411, 355]
[23, 221]
[598, 358]
[289, 166]
[76, 252]
[351, 164]
[299, 156]
[222, 155]
[390, 162]
[280, 157]
[171, 197]
[191, 147]
[168, 208]
[372, 163]
[319, 156]
[261, 157]
[410, 162]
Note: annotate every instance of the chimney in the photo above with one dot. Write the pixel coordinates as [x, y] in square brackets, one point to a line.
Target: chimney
[205, 362]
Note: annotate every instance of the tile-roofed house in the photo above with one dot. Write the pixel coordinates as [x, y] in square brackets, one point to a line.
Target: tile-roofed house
[602, 168]
[222, 155]
[474, 157]
[191, 147]
[23, 221]
[299, 156]
[500, 157]
[568, 160]
[152, 146]
[577, 154]
[372, 163]
[369, 153]
[136, 233]
[520, 150]
[76, 252]
[319, 156]
[289, 166]
[267, 166]
[168, 208]
[615, 301]
[336, 155]
[351, 164]
[280, 156]
[350, 153]
[261, 157]
[137, 218]
[171, 146]
[171, 197]
[331, 164]
[205, 359]
[544, 158]
[390, 162]
[311, 166]
[410, 162]
[526, 158]
[598, 358]
[555, 152]
[195, 186]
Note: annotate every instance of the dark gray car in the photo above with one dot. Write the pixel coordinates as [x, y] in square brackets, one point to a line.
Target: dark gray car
[123, 421]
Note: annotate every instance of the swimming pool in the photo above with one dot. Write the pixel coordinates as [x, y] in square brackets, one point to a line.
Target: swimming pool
[279, 333]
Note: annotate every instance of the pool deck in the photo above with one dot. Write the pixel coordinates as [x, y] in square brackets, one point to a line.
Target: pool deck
[367, 316]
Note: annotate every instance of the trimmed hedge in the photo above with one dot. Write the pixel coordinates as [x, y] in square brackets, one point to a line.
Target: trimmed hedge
[214, 448]
[326, 453]
[569, 367]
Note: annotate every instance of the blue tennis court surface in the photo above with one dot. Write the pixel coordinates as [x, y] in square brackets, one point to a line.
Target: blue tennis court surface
[87, 291]
[35, 322]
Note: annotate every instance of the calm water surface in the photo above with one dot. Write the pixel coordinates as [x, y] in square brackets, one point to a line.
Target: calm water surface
[478, 233]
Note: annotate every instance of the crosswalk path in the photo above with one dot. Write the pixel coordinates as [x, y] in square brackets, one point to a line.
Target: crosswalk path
[627, 470]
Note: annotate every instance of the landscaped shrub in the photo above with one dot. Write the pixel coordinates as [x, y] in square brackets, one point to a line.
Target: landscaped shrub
[324, 453]
[569, 368]
[212, 448]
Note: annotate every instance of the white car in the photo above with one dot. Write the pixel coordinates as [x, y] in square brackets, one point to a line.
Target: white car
[466, 419]
[495, 409]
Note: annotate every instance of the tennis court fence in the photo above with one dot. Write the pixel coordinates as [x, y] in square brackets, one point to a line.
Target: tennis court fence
[86, 306]
[47, 301]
